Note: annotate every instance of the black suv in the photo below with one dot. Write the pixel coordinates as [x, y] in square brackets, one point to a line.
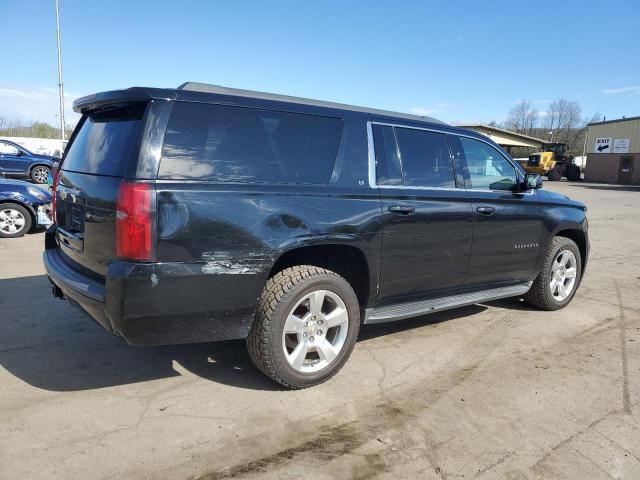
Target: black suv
[204, 213]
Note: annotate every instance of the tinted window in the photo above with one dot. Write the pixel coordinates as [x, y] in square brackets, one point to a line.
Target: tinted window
[388, 170]
[425, 157]
[221, 143]
[107, 142]
[488, 169]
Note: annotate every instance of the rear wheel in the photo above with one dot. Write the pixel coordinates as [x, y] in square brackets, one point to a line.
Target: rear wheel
[305, 327]
[40, 174]
[15, 220]
[557, 282]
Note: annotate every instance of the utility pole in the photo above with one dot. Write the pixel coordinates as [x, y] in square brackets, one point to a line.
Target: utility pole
[60, 84]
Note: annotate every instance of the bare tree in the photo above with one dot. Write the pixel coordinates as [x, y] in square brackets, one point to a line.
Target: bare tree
[522, 118]
[531, 121]
[564, 119]
[517, 117]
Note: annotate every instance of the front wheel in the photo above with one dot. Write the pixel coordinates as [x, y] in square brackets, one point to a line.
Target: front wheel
[305, 327]
[15, 221]
[554, 175]
[557, 282]
[40, 174]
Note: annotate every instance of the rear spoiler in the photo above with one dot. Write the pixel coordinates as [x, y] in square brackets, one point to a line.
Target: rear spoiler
[115, 97]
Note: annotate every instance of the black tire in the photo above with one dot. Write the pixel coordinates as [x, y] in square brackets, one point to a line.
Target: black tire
[39, 174]
[573, 173]
[280, 295]
[5, 226]
[555, 174]
[540, 294]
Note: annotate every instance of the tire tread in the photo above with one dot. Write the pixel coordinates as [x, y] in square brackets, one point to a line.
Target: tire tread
[539, 295]
[259, 340]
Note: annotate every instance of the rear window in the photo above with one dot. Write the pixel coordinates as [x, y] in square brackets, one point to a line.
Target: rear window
[237, 144]
[107, 142]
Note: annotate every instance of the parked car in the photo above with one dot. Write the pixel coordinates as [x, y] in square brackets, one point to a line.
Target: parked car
[23, 206]
[204, 213]
[16, 161]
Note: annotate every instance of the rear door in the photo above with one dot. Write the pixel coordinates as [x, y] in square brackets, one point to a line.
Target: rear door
[427, 219]
[103, 151]
[507, 223]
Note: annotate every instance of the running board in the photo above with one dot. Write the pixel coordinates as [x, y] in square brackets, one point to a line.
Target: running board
[415, 309]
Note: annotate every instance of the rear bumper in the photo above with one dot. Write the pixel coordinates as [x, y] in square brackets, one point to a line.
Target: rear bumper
[159, 303]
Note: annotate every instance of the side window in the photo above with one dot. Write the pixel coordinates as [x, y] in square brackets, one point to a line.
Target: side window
[7, 149]
[388, 168]
[247, 145]
[425, 157]
[488, 169]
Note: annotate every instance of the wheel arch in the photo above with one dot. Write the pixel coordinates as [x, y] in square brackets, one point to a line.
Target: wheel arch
[579, 237]
[348, 261]
[38, 164]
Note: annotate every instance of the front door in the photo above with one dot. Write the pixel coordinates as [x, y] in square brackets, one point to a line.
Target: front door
[427, 221]
[625, 173]
[507, 224]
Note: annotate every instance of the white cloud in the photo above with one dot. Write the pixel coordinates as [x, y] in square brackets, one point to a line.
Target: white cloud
[630, 89]
[433, 109]
[25, 104]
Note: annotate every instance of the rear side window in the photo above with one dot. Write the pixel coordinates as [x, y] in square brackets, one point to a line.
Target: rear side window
[107, 143]
[412, 157]
[237, 144]
[426, 161]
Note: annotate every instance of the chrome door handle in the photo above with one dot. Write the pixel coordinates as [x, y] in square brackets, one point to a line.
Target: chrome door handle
[402, 209]
[486, 210]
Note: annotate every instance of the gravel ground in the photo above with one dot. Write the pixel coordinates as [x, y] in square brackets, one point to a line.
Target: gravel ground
[489, 391]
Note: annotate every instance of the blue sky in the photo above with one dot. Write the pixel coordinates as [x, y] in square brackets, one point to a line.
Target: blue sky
[458, 61]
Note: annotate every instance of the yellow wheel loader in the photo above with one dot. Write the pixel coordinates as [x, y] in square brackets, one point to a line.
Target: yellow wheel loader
[553, 162]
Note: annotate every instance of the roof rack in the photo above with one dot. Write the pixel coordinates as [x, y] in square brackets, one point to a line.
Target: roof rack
[217, 89]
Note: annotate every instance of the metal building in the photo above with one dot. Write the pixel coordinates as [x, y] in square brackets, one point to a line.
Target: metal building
[613, 151]
[505, 138]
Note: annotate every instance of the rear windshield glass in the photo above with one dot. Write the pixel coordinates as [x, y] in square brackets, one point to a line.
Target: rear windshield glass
[237, 144]
[107, 142]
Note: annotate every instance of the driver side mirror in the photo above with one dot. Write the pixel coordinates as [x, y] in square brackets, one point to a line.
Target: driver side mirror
[19, 153]
[532, 181]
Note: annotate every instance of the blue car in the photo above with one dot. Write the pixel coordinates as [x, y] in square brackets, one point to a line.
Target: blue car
[18, 162]
[23, 206]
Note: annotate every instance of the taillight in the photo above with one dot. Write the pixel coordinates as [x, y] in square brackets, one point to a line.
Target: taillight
[134, 221]
[54, 185]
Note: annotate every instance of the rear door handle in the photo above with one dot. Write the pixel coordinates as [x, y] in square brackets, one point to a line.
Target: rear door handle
[402, 209]
[486, 210]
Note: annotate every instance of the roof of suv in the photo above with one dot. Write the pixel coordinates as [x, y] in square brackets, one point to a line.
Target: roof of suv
[90, 102]
[220, 90]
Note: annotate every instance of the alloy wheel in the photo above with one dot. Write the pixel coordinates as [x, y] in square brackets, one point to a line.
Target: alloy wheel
[11, 221]
[40, 174]
[315, 331]
[563, 275]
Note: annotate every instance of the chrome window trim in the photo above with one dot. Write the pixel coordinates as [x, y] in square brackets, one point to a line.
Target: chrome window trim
[372, 160]
[371, 156]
